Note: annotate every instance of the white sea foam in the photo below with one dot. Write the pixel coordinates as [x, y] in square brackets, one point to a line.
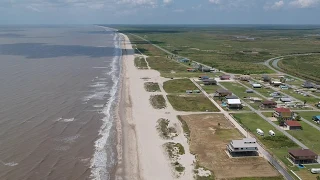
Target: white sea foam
[11, 164]
[100, 161]
[70, 139]
[65, 120]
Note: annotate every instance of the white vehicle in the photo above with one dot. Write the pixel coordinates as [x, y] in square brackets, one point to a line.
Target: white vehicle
[271, 133]
[260, 132]
[315, 170]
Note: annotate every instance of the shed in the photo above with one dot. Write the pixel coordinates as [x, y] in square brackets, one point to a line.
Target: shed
[256, 85]
[269, 104]
[245, 77]
[225, 77]
[249, 91]
[209, 82]
[276, 83]
[234, 103]
[223, 93]
[285, 99]
[308, 85]
[302, 156]
[189, 91]
[293, 125]
[284, 87]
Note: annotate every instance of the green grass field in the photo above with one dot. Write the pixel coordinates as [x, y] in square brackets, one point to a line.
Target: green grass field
[179, 86]
[303, 66]
[216, 45]
[308, 136]
[278, 145]
[308, 115]
[193, 103]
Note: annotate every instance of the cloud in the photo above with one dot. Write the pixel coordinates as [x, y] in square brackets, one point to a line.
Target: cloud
[304, 3]
[179, 10]
[33, 8]
[215, 1]
[274, 6]
[167, 1]
[152, 3]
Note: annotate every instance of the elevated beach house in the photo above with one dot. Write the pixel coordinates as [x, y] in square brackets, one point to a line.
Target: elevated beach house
[234, 104]
[245, 77]
[225, 77]
[269, 104]
[284, 113]
[209, 82]
[302, 156]
[308, 85]
[222, 93]
[243, 146]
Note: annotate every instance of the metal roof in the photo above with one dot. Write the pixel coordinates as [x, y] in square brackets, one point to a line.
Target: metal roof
[301, 152]
[233, 101]
[246, 142]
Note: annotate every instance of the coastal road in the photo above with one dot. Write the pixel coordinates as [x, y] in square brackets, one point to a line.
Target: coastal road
[306, 121]
[262, 151]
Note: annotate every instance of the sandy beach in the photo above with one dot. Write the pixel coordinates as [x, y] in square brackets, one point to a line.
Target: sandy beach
[142, 155]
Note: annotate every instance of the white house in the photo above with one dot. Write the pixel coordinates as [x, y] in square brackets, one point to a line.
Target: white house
[256, 85]
[234, 103]
[243, 145]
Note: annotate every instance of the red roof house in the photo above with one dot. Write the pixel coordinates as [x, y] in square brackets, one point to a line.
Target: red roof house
[293, 125]
[225, 77]
[284, 113]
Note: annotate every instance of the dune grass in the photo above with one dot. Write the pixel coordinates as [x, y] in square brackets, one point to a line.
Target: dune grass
[194, 103]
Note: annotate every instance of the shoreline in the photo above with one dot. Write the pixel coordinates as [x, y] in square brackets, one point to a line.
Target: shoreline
[127, 153]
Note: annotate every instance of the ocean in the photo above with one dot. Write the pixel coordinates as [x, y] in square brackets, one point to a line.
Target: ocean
[58, 96]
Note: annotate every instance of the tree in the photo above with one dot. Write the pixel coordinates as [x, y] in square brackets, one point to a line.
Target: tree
[298, 118]
[281, 121]
[304, 102]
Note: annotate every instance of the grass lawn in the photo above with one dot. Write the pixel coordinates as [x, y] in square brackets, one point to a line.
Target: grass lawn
[151, 87]
[305, 172]
[308, 136]
[265, 92]
[278, 145]
[310, 100]
[240, 91]
[305, 66]
[179, 86]
[194, 103]
[308, 115]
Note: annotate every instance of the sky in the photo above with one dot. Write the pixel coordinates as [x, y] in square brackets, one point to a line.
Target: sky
[159, 11]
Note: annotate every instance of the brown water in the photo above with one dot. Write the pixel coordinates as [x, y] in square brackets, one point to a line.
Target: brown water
[56, 101]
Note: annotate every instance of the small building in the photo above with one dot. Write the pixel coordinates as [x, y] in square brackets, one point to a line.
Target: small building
[275, 95]
[191, 70]
[249, 91]
[284, 113]
[196, 91]
[223, 93]
[276, 83]
[232, 97]
[209, 82]
[189, 91]
[285, 100]
[284, 87]
[245, 78]
[204, 78]
[316, 118]
[269, 104]
[302, 156]
[225, 77]
[184, 60]
[234, 104]
[256, 85]
[293, 125]
[243, 145]
[255, 99]
[204, 69]
[308, 85]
